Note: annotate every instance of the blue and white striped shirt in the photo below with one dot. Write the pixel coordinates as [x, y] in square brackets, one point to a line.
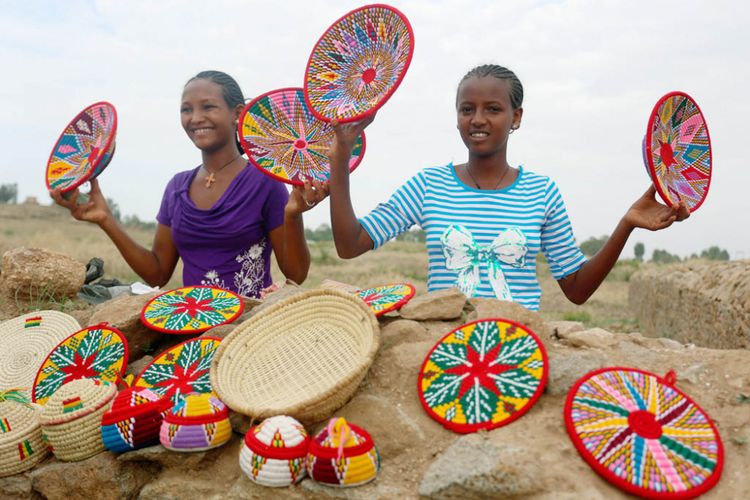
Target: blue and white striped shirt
[483, 242]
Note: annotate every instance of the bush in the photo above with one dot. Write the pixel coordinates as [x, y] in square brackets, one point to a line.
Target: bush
[663, 257]
[593, 245]
[9, 194]
[715, 253]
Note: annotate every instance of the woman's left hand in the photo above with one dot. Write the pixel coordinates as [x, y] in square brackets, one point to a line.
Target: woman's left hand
[648, 213]
[303, 198]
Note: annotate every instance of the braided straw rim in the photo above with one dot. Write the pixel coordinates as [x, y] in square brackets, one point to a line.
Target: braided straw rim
[303, 357]
[24, 426]
[94, 395]
[23, 350]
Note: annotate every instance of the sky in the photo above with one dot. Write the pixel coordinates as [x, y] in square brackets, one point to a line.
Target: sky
[592, 71]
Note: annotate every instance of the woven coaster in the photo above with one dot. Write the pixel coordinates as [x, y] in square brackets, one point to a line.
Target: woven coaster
[284, 139]
[191, 309]
[25, 342]
[180, 370]
[358, 63]
[642, 434]
[678, 150]
[84, 149]
[387, 298]
[96, 352]
[483, 375]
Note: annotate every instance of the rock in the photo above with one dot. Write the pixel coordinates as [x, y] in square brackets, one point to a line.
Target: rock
[707, 304]
[138, 366]
[443, 304]
[289, 289]
[240, 423]
[124, 313]
[221, 331]
[473, 467]
[670, 344]
[595, 337]
[569, 365]
[102, 474]
[400, 331]
[561, 329]
[162, 456]
[17, 487]
[491, 308]
[36, 274]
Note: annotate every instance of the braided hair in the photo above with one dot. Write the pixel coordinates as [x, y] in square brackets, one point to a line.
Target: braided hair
[230, 90]
[501, 73]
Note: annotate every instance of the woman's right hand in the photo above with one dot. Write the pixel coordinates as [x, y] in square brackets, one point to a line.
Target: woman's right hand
[95, 210]
[345, 135]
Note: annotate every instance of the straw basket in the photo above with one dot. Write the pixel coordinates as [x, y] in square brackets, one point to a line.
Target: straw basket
[342, 455]
[21, 443]
[72, 417]
[303, 357]
[134, 420]
[274, 452]
[26, 341]
[197, 423]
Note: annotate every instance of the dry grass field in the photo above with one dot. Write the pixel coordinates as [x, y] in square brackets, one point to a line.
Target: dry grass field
[53, 228]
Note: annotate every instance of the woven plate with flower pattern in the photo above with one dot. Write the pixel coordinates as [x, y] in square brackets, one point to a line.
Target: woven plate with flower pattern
[387, 298]
[483, 375]
[642, 434]
[191, 309]
[98, 352]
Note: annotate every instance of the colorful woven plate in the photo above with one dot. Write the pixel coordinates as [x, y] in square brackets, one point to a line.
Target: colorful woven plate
[642, 434]
[97, 352]
[387, 298]
[191, 309]
[181, 370]
[284, 140]
[483, 375]
[84, 149]
[358, 63]
[678, 150]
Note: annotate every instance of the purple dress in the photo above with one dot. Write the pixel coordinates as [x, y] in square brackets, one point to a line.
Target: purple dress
[227, 245]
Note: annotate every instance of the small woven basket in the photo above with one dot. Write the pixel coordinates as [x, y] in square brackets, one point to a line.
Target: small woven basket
[21, 442]
[197, 423]
[274, 452]
[303, 357]
[72, 417]
[342, 455]
[134, 420]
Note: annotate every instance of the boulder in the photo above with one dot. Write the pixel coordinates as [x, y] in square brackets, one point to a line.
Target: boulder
[124, 313]
[706, 304]
[440, 305]
[595, 337]
[36, 275]
[492, 308]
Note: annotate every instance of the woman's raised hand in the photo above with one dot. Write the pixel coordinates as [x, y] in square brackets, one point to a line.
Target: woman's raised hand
[303, 198]
[346, 134]
[649, 214]
[94, 210]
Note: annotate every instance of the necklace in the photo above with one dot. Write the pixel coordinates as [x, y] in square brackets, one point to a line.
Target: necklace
[468, 171]
[210, 178]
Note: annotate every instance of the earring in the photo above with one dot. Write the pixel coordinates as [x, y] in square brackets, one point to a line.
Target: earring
[513, 128]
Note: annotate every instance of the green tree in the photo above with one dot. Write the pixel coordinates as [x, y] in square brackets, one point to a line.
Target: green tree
[593, 245]
[115, 209]
[9, 194]
[715, 253]
[663, 257]
[639, 249]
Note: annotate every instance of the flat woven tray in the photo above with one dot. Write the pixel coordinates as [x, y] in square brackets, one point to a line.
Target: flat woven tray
[387, 298]
[303, 357]
[191, 309]
[642, 434]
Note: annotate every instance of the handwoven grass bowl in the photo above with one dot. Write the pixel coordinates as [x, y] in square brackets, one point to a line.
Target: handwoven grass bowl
[303, 357]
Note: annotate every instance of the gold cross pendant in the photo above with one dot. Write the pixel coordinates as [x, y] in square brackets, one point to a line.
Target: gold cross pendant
[210, 179]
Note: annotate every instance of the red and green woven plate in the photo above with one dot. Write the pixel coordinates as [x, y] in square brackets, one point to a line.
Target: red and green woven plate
[483, 375]
[98, 352]
[387, 298]
[642, 434]
[191, 309]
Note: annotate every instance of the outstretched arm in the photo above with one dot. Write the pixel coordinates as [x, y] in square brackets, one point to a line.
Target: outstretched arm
[645, 213]
[348, 234]
[154, 266]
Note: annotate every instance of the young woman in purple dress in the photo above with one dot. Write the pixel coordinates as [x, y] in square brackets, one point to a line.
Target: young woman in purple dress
[223, 218]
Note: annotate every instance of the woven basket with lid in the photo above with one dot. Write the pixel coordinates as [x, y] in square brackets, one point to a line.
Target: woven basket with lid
[273, 453]
[134, 420]
[21, 442]
[303, 357]
[198, 422]
[72, 417]
[342, 455]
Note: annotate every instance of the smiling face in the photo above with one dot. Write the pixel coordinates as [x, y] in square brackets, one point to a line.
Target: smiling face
[206, 117]
[485, 115]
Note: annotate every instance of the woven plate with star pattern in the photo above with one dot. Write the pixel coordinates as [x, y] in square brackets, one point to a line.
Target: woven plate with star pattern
[191, 309]
[286, 141]
[358, 63]
[84, 149]
[678, 150]
[387, 298]
[181, 370]
[483, 375]
[642, 434]
[98, 352]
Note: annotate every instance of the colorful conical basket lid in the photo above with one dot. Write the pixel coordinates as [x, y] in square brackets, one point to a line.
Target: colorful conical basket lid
[181, 370]
[342, 454]
[84, 149]
[483, 375]
[386, 298]
[274, 452]
[678, 150]
[21, 442]
[99, 351]
[642, 434]
[285, 140]
[134, 419]
[198, 422]
[191, 309]
[358, 63]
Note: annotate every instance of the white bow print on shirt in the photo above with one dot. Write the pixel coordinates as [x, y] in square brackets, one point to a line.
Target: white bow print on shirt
[464, 255]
